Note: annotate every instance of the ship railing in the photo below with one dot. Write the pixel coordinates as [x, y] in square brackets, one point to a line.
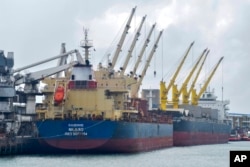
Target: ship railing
[150, 118]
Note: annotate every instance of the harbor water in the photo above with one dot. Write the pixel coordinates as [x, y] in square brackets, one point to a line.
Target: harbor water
[193, 156]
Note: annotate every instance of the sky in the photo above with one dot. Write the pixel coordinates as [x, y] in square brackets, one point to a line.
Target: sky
[34, 31]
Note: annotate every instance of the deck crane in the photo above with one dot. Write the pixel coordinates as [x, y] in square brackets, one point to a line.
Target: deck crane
[32, 79]
[119, 46]
[185, 93]
[62, 60]
[195, 96]
[163, 89]
[142, 50]
[135, 88]
[47, 60]
[137, 35]
[175, 92]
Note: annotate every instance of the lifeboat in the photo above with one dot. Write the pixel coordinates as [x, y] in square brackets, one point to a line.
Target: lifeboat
[59, 94]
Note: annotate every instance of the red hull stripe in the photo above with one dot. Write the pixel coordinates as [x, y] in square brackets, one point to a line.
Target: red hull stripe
[112, 145]
[75, 144]
[198, 138]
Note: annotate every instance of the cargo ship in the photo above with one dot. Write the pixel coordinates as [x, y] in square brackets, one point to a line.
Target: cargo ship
[196, 125]
[86, 115]
[200, 120]
[202, 124]
[90, 110]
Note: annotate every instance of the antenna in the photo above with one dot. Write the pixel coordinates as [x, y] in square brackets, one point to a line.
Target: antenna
[86, 44]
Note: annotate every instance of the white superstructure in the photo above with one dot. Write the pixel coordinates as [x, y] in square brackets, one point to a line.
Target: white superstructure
[208, 100]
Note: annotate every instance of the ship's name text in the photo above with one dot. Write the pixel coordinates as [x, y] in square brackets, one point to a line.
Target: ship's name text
[75, 130]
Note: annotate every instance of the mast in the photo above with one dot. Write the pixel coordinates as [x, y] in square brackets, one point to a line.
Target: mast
[86, 44]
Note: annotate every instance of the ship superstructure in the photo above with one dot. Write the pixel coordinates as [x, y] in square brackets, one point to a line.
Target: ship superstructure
[209, 100]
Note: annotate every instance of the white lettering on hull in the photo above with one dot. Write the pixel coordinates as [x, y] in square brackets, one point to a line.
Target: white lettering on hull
[75, 130]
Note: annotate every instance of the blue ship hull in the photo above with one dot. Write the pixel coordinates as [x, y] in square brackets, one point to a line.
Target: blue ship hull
[104, 135]
[198, 132]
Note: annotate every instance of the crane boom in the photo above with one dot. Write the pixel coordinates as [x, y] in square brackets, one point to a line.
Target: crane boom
[179, 68]
[196, 97]
[192, 71]
[143, 49]
[138, 84]
[185, 93]
[176, 93]
[45, 61]
[198, 73]
[62, 60]
[119, 46]
[36, 76]
[163, 89]
[132, 46]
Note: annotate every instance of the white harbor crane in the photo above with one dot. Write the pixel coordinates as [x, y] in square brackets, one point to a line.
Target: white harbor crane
[136, 37]
[121, 41]
[143, 50]
[135, 88]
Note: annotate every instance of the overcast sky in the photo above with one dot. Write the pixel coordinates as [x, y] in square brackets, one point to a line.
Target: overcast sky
[34, 30]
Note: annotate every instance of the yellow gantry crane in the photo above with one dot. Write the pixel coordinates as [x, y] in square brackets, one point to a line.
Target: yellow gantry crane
[175, 92]
[195, 96]
[185, 93]
[163, 89]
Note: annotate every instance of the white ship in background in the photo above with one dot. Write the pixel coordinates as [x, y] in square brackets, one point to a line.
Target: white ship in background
[209, 100]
